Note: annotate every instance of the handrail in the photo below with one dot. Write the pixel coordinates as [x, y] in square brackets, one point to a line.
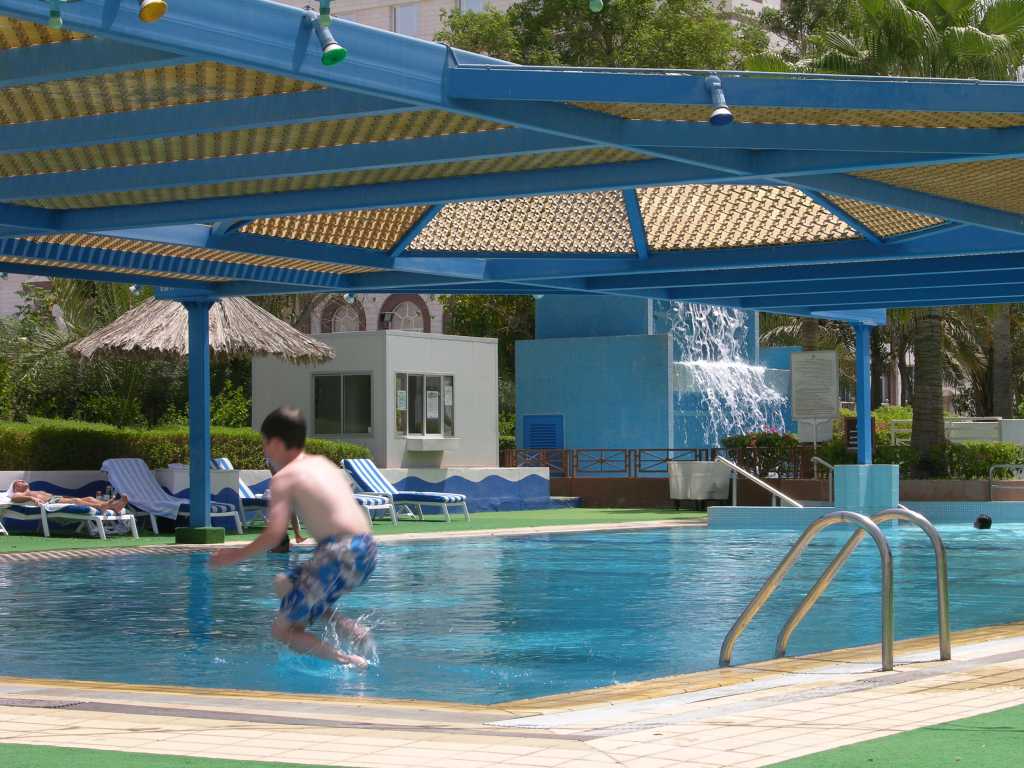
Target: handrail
[831, 475]
[771, 584]
[758, 481]
[941, 580]
[993, 468]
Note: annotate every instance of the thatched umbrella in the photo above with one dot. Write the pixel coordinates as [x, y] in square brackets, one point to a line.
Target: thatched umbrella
[238, 329]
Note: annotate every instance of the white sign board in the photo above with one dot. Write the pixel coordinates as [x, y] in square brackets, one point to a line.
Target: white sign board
[433, 401]
[814, 385]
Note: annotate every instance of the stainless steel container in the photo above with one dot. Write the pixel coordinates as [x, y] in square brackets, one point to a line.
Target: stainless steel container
[698, 480]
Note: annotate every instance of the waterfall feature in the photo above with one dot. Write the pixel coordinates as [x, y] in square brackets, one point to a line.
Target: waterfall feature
[713, 377]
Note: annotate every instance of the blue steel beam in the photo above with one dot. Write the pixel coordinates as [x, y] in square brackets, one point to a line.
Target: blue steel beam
[864, 431]
[636, 224]
[516, 83]
[78, 256]
[911, 200]
[97, 276]
[721, 279]
[855, 224]
[908, 297]
[77, 59]
[187, 119]
[288, 164]
[421, 192]
[199, 412]
[406, 240]
[264, 35]
[810, 289]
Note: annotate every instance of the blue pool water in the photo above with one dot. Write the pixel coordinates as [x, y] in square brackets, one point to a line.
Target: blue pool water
[489, 620]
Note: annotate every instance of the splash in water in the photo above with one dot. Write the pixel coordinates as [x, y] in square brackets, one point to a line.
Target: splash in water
[310, 665]
[735, 397]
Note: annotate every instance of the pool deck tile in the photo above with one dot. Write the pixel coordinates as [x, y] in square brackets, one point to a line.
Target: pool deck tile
[745, 717]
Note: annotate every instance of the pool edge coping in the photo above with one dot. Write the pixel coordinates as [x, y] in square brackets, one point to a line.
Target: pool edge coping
[537, 530]
[636, 691]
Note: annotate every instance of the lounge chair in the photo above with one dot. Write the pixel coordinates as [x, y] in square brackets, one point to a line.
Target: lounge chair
[369, 480]
[132, 478]
[371, 503]
[43, 513]
[248, 498]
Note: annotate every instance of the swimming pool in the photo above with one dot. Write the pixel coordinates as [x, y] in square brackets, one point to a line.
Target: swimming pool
[492, 619]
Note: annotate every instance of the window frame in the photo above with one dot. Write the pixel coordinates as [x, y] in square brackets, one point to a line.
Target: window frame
[394, 18]
[341, 403]
[442, 416]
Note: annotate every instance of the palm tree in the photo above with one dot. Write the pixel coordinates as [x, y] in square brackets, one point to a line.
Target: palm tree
[952, 38]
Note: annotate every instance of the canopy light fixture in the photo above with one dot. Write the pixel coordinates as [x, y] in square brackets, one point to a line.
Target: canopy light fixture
[331, 52]
[55, 20]
[720, 113]
[152, 10]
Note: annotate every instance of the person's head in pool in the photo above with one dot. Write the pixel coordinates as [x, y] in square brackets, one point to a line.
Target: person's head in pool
[284, 435]
[983, 522]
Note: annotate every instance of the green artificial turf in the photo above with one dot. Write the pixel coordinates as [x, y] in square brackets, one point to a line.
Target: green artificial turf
[20, 756]
[995, 740]
[482, 521]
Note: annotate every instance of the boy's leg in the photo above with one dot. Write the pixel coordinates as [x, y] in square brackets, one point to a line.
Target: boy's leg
[298, 639]
[358, 632]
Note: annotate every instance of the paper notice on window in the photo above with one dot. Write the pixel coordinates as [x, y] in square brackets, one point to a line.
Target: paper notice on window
[449, 397]
[815, 385]
[402, 400]
[433, 405]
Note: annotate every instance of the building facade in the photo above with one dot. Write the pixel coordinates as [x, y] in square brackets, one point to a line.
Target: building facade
[413, 399]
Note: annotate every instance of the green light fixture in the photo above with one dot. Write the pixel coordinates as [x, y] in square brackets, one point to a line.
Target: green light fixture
[596, 6]
[331, 52]
[55, 20]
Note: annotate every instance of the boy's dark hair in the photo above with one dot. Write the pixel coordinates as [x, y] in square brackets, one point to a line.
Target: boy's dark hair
[287, 423]
[983, 522]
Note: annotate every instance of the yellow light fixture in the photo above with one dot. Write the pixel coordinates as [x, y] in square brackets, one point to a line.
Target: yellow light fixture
[152, 10]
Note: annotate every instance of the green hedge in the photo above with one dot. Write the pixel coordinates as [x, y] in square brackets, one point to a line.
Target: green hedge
[53, 445]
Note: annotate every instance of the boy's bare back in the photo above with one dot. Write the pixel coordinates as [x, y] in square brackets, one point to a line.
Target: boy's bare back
[319, 491]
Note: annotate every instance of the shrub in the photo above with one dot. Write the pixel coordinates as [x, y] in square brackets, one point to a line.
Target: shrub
[54, 445]
[761, 440]
[506, 442]
[971, 460]
[230, 407]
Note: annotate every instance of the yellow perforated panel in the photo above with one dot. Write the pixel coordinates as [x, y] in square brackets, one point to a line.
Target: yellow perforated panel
[883, 221]
[584, 223]
[139, 89]
[380, 229]
[733, 215]
[352, 178]
[407, 125]
[992, 183]
[199, 254]
[15, 33]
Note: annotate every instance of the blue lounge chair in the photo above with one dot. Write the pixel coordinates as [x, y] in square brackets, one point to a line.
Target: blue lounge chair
[132, 478]
[371, 503]
[370, 480]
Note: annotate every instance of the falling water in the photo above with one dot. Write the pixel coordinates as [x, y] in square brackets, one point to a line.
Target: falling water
[711, 345]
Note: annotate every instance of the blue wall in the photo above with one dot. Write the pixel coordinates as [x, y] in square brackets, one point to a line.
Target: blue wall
[566, 317]
[612, 391]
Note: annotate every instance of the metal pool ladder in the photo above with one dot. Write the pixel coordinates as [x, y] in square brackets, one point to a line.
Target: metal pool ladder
[868, 525]
[777, 495]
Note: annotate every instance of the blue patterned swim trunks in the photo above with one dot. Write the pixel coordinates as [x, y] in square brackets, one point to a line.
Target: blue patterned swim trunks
[338, 565]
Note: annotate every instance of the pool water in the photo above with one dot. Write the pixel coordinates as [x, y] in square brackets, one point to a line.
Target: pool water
[492, 619]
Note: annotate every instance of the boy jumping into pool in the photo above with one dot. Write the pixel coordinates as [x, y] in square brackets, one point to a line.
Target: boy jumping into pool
[346, 552]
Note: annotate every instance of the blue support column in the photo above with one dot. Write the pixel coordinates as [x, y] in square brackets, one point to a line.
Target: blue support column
[864, 436]
[199, 412]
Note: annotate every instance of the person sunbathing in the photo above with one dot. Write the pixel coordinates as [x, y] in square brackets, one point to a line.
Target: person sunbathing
[22, 493]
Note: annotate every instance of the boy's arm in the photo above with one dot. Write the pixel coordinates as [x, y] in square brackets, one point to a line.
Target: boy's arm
[277, 528]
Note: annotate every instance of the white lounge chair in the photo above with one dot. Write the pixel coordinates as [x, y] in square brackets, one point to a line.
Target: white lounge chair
[133, 478]
[90, 517]
[369, 480]
[247, 497]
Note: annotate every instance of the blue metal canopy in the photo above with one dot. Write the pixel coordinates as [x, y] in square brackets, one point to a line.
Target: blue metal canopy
[212, 153]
